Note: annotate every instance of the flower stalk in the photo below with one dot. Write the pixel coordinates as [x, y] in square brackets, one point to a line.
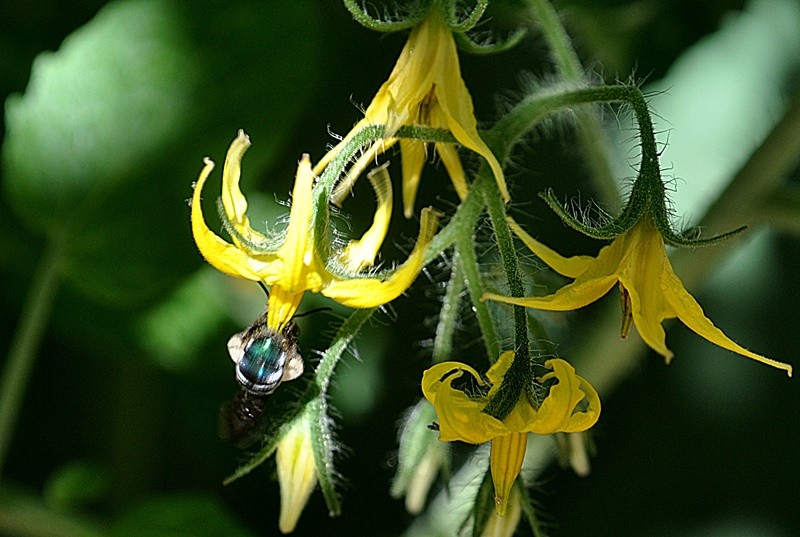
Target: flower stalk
[25, 345]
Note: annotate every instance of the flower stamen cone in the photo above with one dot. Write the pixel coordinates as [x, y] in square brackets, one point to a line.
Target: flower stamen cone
[505, 461]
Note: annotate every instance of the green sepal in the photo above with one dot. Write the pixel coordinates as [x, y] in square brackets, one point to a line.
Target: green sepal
[484, 505]
[271, 245]
[606, 231]
[689, 238]
[322, 438]
[469, 44]
[462, 24]
[323, 445]
[404, 17]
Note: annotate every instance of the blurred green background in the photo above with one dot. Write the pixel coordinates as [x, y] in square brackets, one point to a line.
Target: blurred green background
[110, 107]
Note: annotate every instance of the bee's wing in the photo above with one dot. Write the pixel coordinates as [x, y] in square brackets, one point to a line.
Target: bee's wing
[293, 367]
[236, 346]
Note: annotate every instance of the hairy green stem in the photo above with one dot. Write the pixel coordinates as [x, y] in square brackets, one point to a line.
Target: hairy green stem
[511, 128]
[465, 251]
[344, 336]
[28, 337]
[590, 134]
[448, 314]
[463, 221]
[521, 369]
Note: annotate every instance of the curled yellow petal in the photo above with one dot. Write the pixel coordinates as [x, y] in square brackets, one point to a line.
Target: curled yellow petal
[232, 198]
[360, 254]
[368, 157]
[459, 414]
[233, 201]
[371, 292]
[571, 405]
[560, 411]
[220, 254]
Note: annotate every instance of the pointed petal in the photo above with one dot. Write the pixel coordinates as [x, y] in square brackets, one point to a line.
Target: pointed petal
[691, 314]
[574, 296]
[473, 141]
[648, 311]
[455, 103]
[411, 79]
[222, 255]
[371, 292]
[505, 460]
[571, 267]
[452, 163]
[361, 253]
[297, 249]
[412, 153]
[233, 200]
[281, 306]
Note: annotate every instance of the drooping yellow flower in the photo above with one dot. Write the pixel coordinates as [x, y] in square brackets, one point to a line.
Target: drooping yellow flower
[651, 291]
[297, 473]
[425, 88]
[298, 263]
[572, 405]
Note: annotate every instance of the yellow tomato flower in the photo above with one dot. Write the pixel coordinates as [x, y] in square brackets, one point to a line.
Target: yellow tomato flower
[295, 264]
[651, 290]
[572, 405]
[297, 473]
[425, 88]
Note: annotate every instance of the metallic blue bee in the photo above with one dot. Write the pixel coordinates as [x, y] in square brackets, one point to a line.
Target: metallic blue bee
[264, 358]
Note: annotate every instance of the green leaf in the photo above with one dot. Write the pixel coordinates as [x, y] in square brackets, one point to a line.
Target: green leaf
[484, 505]
[106, 141]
